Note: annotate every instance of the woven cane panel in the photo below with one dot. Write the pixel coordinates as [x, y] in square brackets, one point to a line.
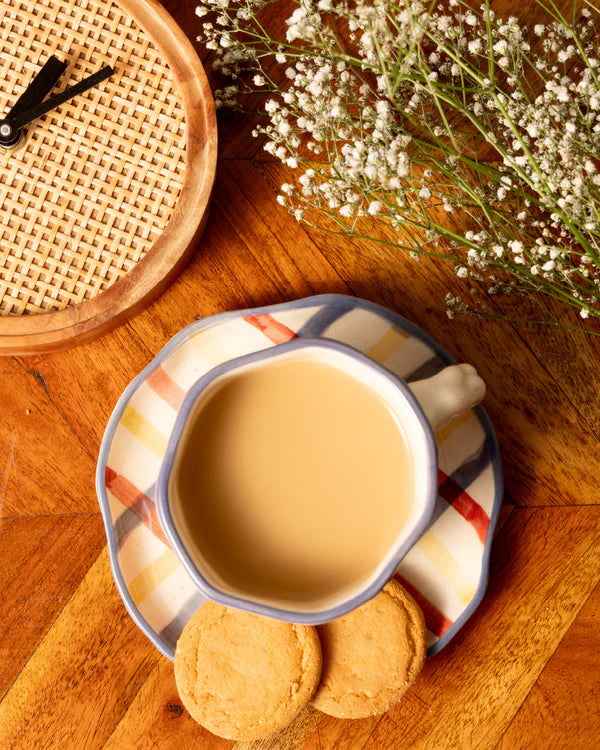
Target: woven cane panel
[98, 179]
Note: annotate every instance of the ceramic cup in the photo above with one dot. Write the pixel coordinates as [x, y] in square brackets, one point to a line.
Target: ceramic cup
[420, 408]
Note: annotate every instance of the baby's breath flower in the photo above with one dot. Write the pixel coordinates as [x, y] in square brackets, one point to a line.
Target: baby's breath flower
[369, 121]
[516, 246]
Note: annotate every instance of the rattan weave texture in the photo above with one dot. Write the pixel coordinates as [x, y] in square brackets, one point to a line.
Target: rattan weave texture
[98, 179]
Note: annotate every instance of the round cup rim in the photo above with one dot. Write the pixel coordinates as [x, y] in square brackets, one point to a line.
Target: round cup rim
[372, 587]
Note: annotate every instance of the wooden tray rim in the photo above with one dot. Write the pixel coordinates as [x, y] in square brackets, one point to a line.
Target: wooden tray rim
[82, 322]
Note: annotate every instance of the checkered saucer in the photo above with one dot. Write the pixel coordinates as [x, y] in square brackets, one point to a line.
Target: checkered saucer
[447, 569]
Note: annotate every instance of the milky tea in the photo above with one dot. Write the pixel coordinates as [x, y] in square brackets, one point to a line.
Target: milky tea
[293, 482]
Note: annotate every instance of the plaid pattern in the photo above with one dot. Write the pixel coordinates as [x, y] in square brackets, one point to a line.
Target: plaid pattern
[446, 571]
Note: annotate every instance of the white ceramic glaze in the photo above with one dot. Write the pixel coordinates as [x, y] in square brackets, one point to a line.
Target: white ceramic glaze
[450, 393]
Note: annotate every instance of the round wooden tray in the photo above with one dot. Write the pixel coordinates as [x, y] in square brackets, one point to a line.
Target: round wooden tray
[57, 294]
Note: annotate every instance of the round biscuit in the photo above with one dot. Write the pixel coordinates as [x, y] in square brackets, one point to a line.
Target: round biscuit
[243, 676]
[371, 656]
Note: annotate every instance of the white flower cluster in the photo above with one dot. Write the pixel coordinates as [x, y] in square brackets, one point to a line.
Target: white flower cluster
[390, 119]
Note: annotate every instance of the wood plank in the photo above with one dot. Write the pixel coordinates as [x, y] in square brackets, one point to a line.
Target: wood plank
[333, 732]
[308, 249]
[223, 275]
[545, 564]
[157, 719]
[83, 675]
[240, 192]
[83, 384]
[95, 681]
[44, 466]
[235, 134]
[563, 707]
[507, 508]
[289, 738]
[243, 260]
[575, 373]
[235, 127]
[42, 561]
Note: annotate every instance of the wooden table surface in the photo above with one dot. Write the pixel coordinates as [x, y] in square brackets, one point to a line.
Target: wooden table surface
[524, 672]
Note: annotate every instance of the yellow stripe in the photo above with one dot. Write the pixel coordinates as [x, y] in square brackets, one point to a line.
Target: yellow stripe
[208, 348]
[152, 576]
[144, 431]
[442, 435]
[390, 342]
[446, 565]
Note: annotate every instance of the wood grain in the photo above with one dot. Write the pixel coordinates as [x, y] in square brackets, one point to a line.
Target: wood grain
[75, 672]
[43, 561]
[65, 381]
[44, 466]
[157, 719]
[563, 707]
[468, 694]
[546, 563]
[347, 735]
[83, 675]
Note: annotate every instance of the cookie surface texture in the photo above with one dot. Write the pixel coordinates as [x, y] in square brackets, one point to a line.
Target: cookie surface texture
[243, 676]
[371, 656]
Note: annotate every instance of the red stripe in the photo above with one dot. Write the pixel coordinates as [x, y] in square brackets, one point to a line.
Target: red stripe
[139, 503]
[464, 504]
[436, 621]
[273, 329]
[166, 387]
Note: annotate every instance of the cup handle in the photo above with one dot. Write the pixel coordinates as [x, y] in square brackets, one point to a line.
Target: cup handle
[450, 393]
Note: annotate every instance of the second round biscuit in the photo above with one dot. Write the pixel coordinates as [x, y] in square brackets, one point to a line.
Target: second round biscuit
[371, 656]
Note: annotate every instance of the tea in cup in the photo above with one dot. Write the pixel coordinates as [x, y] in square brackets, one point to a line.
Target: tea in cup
[297, 478]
